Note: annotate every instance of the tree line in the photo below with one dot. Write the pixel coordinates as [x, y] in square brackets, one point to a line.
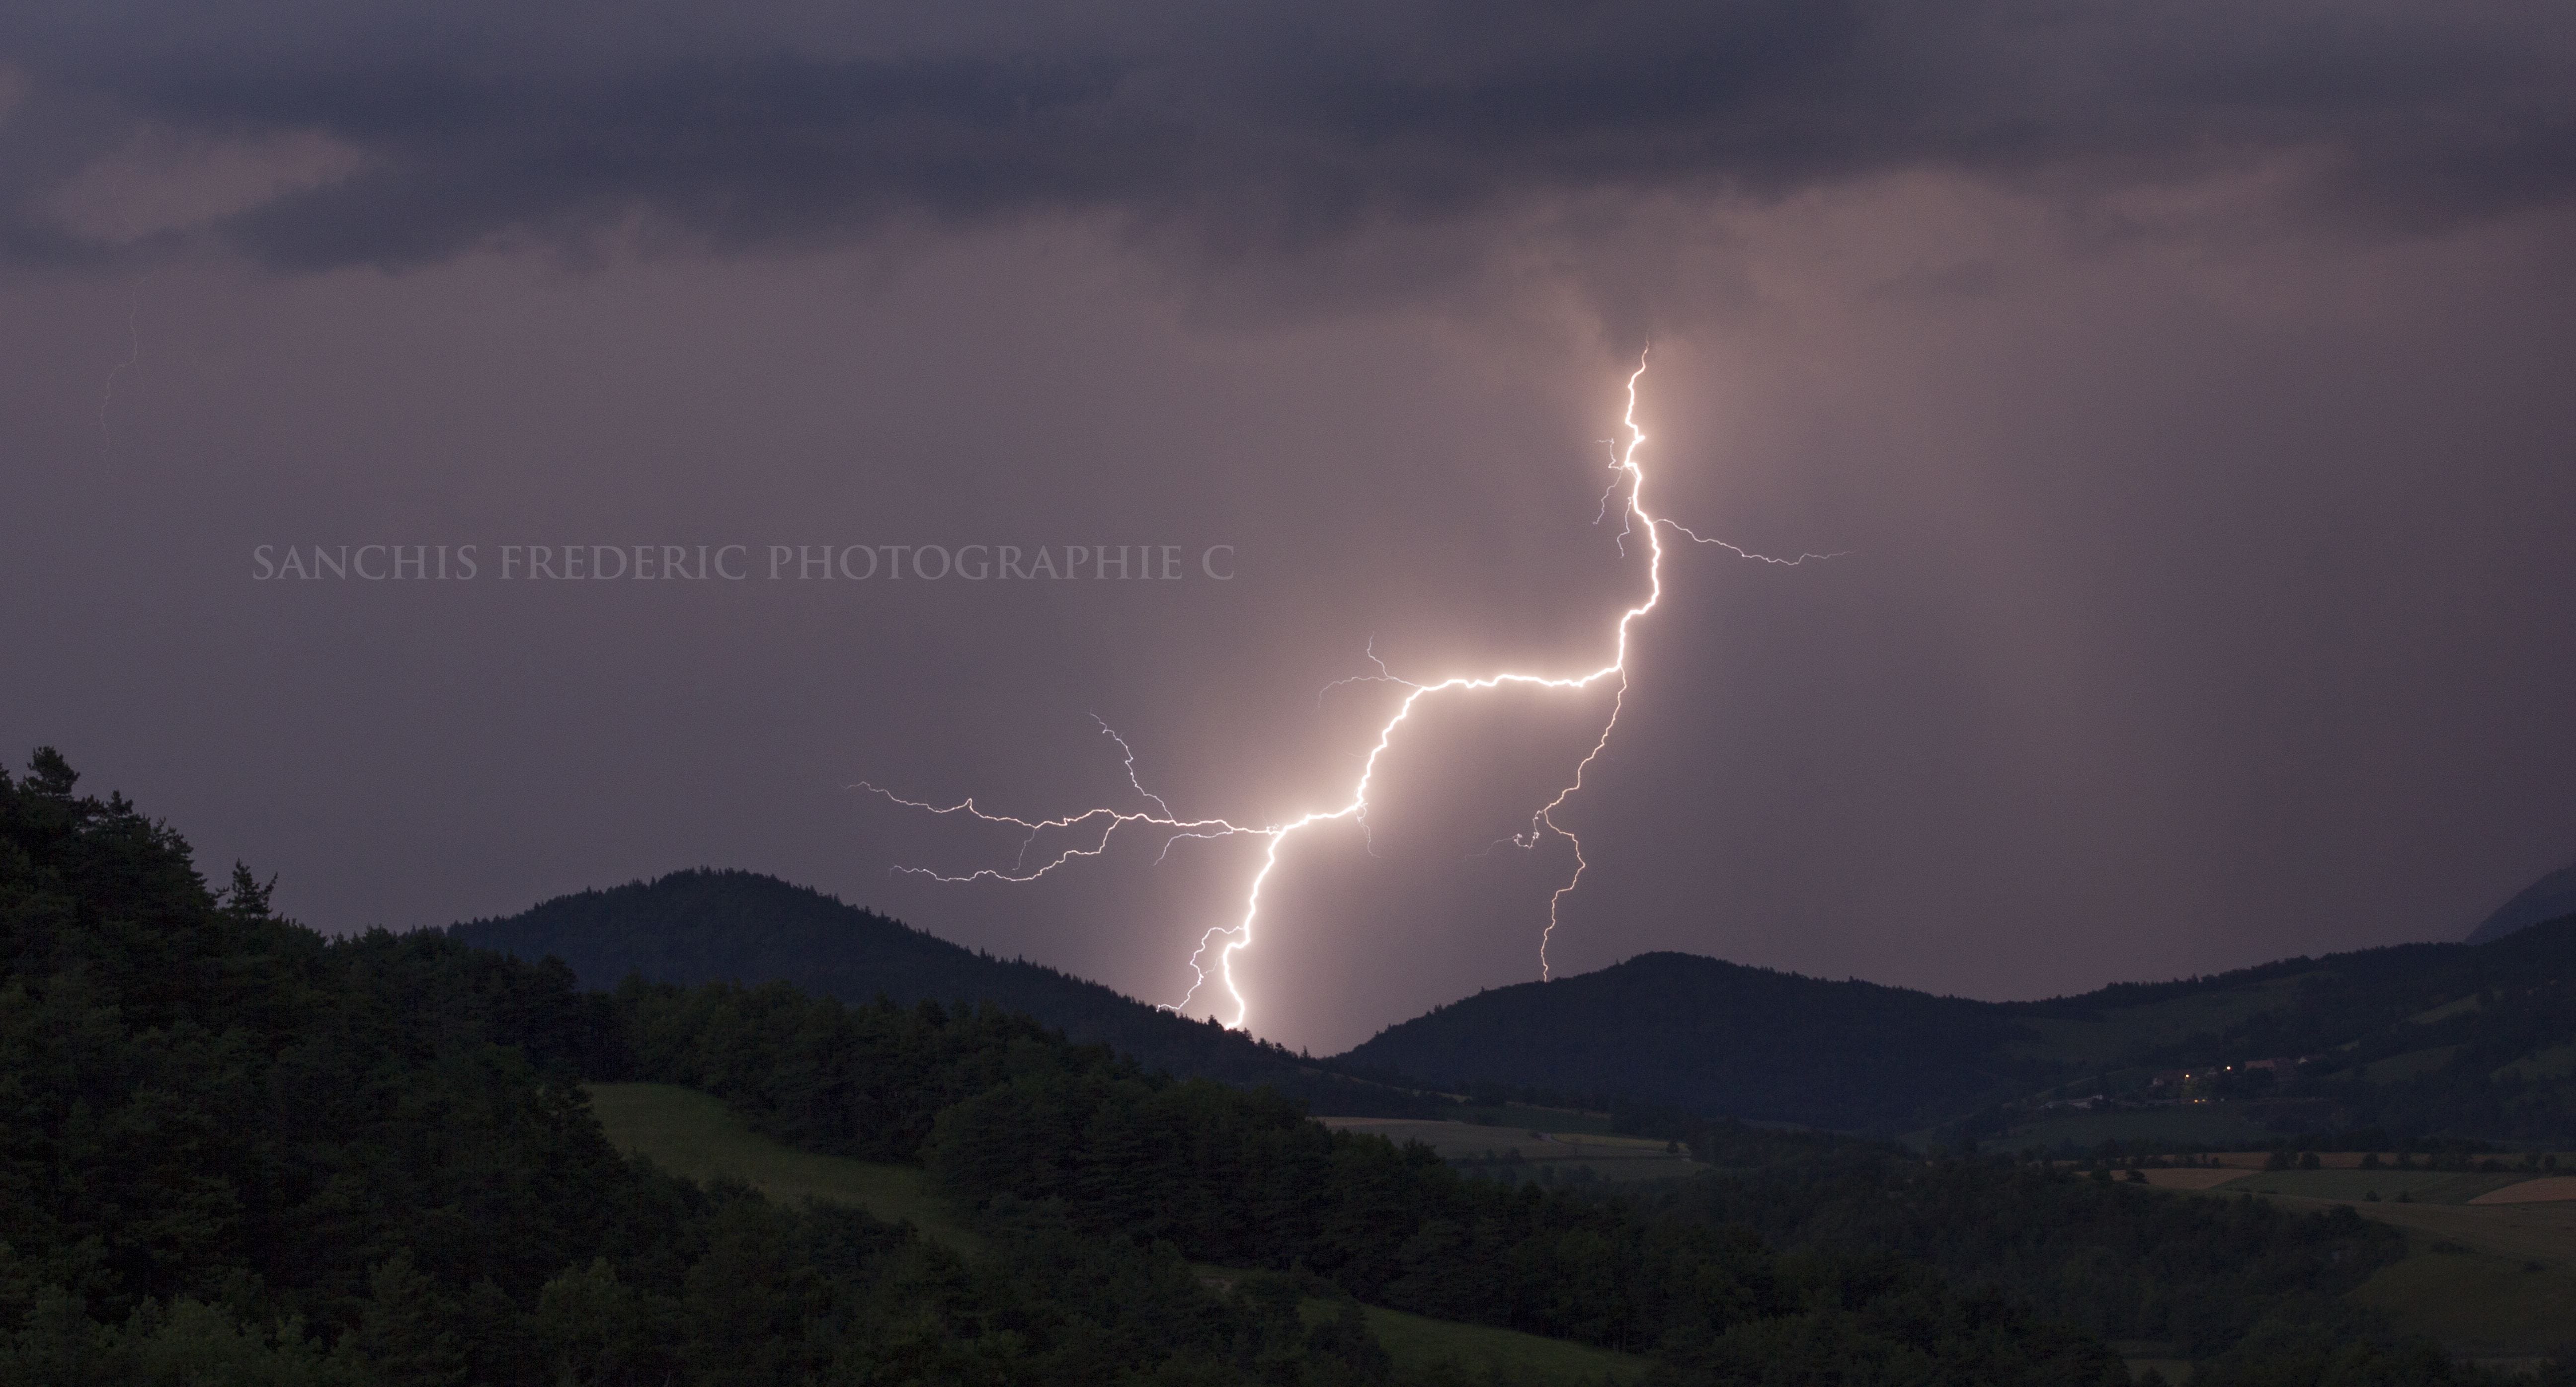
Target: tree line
[236, 1152]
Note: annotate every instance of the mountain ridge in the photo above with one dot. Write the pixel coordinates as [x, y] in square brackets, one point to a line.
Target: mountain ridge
[2458, 1039]
[1836, 1055]
[708, 924]
[2546, 899]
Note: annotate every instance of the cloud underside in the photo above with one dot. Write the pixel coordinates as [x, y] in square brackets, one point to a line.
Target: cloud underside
[1251, 132]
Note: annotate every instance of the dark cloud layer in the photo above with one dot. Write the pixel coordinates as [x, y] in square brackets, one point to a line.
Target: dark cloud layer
[1252, 128]
[2185, 382]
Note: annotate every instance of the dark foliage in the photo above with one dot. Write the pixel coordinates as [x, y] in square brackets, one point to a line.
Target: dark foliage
[724, 926]
[1240, 1178]
[863, 1081]
[1018, 1119]
[1719, 1040]
[2126, 1264]
[2506, 1001]
[233, 1153]
[1727, 1040]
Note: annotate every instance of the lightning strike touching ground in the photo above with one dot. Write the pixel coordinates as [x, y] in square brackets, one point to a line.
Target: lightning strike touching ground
[1096, 827]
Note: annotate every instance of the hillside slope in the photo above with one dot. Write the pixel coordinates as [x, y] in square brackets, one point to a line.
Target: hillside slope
[706, 926]
[2420, 1039]
[1724, 1039]
[2546, 899]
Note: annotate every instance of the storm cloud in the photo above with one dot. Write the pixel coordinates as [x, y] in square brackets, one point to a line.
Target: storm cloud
[2184, 385]
[1240, 130]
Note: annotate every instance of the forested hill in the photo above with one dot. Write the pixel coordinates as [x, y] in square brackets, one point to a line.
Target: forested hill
[2424, 1039]
[731, 926]
[1726, 1040]
[2448, 1040]
[238, 1153]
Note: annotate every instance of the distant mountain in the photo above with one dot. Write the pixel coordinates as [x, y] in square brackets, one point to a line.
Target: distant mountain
[2421, 1038]
[701, 926]
[2459, 1039]
[2546, 899]
[1726, 1040]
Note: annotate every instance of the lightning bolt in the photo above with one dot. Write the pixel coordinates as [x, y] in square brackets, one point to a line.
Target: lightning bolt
[1095, 828]
[133, 356]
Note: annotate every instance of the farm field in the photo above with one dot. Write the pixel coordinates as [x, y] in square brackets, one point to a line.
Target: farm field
[1415, 1342]
[1529, 1117]
[2539, 1232]
[2441, 1206]
[2477, 1302]
[2192, 1177]
[690, 1133]
[2255, 1160]
[2488, 1279]
[2547, 1189]
[2354, 1186]
[1610, 1157]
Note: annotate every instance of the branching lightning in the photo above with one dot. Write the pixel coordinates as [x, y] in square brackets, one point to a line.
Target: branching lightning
[1685, 532]
[1093, 829]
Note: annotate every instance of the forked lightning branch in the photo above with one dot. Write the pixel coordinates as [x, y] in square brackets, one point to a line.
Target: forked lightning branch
[1092, 830]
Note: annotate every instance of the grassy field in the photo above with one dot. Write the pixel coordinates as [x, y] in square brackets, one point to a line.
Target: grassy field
[2547, 1187]
[1415, 1342]
[2354, 1186]
[2488, 1280]
[2545, 1233]
[2397, 1069]
[690, 1133]
[2447, 1010]
[2182, 1126]
[1532, 1118]
[1610, 1157]
[2191, 1178]
[2478, 1302]
[2557, 1062]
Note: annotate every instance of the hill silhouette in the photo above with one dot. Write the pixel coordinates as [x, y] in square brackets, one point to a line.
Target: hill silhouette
[707, 926]
[2546, 899]
[2426, 1039]
[2429, 1039]
[238, 1152]
[1723, 1039]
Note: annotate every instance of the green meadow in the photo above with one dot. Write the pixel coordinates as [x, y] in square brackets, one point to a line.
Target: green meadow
[2488, 1280]
[690, 1133]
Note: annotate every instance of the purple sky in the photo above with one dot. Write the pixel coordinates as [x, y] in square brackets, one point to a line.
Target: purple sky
[2189, 386]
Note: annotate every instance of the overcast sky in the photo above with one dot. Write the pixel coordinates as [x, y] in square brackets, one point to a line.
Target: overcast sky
[2183, 389]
